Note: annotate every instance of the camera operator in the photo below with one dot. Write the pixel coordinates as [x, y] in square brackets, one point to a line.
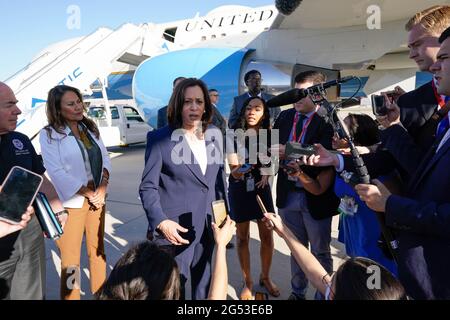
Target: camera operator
[422, 218]
[308, 214]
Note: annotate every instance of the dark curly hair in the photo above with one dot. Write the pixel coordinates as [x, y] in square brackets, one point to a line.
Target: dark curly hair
[264, 123]
[363, 129]
[145, 272]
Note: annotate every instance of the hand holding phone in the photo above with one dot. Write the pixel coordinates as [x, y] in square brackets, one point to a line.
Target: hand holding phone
[7, 228]
[289, 169]
[220, 212]
[18, 192]
[379, 105]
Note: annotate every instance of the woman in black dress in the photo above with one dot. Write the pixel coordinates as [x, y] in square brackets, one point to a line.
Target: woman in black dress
[245, 183]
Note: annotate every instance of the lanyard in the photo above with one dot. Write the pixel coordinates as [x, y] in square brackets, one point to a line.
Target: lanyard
[294, 127]
[439, 98]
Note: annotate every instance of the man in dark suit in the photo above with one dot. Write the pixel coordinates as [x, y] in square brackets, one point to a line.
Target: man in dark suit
[422, 216]
[162, 113]
[253, 82]
[295, 204]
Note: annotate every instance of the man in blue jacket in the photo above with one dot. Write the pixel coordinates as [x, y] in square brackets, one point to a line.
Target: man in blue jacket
[422, 217]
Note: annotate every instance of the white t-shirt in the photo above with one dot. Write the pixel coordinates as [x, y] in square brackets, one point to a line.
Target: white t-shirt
[198, 148]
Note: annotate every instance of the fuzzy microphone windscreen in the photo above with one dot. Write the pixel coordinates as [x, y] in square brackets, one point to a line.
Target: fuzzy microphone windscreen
[286, 7]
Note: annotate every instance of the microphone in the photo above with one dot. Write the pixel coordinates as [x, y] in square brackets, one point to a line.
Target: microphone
[288, 97]
[286, 7]
[294, 95]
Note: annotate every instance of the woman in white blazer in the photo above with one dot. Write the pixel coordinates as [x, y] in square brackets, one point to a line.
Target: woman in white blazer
[79, 166]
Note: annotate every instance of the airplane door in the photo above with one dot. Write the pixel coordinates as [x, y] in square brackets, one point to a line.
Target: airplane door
[135, 127]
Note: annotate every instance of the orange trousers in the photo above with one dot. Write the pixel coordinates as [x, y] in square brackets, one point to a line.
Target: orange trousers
[79, 222]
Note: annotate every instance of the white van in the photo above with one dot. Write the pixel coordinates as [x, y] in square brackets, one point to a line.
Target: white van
[127, 125]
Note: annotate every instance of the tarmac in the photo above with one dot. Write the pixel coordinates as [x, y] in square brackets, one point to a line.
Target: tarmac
[126, 224]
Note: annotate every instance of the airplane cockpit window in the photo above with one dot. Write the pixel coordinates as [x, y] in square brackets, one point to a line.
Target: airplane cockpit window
[169, 34]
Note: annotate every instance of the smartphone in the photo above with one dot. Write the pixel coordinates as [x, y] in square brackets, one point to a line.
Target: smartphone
[295, 150]
[261, 295]
[18, 192]
[244, 168]
[220, 212]
[379, 105]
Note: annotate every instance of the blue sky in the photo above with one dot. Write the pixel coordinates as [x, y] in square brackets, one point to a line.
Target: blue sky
[28, 26]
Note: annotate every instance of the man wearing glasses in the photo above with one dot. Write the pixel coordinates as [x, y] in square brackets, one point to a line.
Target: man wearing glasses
[253, 81]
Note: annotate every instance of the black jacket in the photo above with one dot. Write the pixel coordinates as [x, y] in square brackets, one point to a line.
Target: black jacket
[318, 131]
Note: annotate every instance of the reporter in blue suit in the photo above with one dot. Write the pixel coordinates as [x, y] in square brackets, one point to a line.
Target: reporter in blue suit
[422, 218]
[178, 183]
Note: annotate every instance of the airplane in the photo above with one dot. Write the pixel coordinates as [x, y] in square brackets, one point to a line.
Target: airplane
[136, 64]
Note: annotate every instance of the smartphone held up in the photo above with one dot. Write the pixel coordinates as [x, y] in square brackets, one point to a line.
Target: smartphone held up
[18, 192]
[220, 212]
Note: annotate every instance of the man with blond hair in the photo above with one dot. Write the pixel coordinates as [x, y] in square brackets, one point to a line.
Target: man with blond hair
[411, 127]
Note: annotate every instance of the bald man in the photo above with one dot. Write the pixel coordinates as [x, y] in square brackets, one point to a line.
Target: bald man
[22, 253]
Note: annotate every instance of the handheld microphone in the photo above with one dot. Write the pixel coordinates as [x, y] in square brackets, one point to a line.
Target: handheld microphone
[294, 95]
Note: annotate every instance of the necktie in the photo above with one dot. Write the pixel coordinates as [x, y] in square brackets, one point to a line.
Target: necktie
[299, 127]
[443, 126]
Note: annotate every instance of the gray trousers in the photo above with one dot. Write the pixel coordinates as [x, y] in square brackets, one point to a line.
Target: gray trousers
[22, 275]
[308, 231]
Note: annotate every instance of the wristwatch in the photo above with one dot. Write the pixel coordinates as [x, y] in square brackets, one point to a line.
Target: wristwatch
[60, 213]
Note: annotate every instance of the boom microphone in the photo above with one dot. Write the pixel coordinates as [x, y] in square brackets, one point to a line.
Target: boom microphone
[287, 97]
[294, 95]
[286, 7]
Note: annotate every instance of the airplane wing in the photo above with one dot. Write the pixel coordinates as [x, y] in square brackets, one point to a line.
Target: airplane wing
[326, 14]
